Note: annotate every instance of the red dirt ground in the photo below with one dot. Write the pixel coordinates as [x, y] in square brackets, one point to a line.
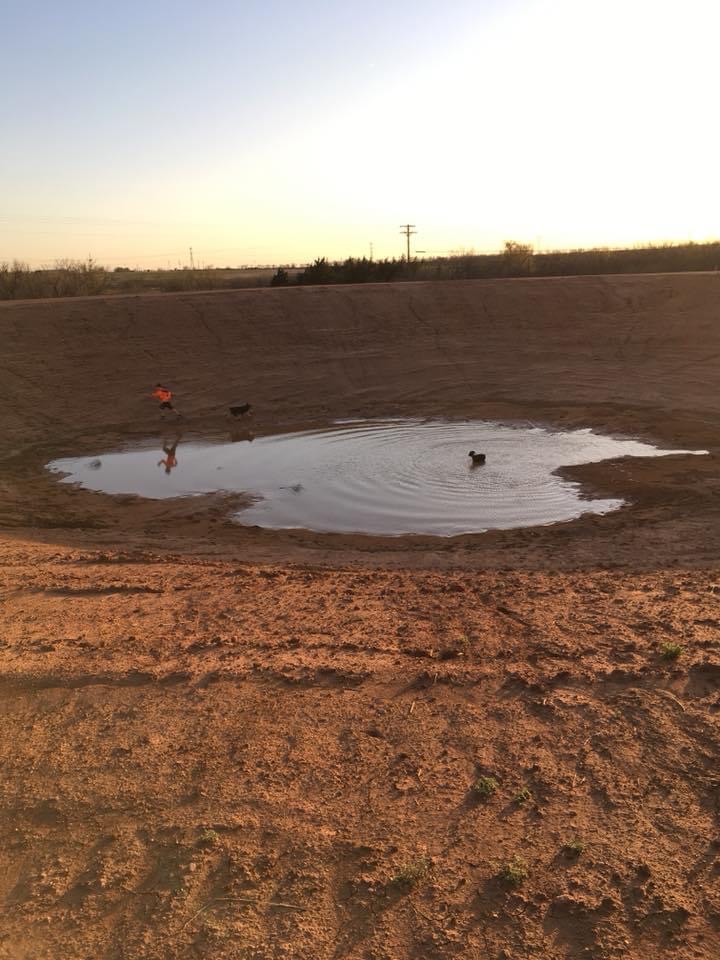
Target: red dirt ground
[221, 742]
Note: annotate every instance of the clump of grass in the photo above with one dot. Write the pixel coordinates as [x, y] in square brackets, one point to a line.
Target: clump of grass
[514, 872]
[522, 796]
[208, 838]
[573, 848]
[670, 650]
[412, 873]
[484, 787]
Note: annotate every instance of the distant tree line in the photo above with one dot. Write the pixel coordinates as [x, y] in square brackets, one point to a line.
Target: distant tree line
[515, 260]
[74, 278]
[352, 270]
[77, 278]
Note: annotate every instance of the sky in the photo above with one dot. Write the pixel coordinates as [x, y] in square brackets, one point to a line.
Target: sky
[278, 131]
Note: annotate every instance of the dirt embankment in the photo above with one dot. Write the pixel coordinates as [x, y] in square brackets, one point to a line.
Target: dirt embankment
[244, 745]
[639, 355]
[80, 367]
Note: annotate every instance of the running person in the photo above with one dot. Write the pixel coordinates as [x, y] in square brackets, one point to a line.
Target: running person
[164, 395]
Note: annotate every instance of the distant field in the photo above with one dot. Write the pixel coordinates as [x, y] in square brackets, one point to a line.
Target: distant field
[86, 279]
[173, 281]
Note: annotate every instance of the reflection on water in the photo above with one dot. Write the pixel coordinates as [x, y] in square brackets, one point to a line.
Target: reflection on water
[381, 477]
[170, 459]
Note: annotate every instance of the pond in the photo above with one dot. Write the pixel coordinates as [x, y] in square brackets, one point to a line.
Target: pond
[387, 477]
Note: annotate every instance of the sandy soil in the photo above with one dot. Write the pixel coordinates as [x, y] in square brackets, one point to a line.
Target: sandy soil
[221, 742]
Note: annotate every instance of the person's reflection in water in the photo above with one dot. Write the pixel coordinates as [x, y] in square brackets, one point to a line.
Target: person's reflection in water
[237, 436]
[170, 461]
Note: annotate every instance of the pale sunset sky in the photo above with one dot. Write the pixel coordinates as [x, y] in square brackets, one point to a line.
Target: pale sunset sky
[276, 131]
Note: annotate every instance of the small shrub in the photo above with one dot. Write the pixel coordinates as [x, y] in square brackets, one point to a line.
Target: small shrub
[514, 872]
[281, 278]
[209, 838]
[671, 651]
[485, 787]
[412, 873]
[573, 848]
[522, 796]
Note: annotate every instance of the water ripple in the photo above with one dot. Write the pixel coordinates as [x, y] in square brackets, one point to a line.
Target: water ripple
[386, 477]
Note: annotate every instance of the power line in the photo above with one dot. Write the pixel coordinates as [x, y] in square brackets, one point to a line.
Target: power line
[408, 229]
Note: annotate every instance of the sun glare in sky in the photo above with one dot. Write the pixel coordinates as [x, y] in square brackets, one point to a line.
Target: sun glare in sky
[277, 132]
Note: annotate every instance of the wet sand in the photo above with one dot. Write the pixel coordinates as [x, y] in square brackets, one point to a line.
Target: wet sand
[229, 742]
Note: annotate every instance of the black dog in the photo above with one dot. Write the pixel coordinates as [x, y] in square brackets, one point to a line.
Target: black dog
[476, 457]
[241, 410]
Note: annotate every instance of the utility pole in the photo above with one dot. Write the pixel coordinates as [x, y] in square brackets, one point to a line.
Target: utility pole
[408, 230]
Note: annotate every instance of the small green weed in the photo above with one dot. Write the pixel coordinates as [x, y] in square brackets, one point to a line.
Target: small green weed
[208, 838]
[412, 873]
[671, 651]
[514, 872]
[522, 796]
[573, 848]
[485, 787]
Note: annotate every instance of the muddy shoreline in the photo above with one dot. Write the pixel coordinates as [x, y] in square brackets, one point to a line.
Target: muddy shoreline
[653, 489]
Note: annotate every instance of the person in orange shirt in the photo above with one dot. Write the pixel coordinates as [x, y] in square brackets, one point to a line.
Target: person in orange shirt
[164, 395]
[170, 460]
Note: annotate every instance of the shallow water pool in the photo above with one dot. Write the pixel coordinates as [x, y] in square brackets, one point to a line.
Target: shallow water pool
[387, 477]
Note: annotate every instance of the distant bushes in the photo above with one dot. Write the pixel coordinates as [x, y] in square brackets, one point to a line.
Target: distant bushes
[68, 278]
[519, 260]
[281, 278]
[73, 278]
[669, 258]
[355, 270]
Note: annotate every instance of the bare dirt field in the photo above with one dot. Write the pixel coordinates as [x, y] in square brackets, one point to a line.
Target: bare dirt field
[223, 742]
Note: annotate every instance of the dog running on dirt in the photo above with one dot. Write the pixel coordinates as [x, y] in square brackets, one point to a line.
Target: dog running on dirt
[241, 410]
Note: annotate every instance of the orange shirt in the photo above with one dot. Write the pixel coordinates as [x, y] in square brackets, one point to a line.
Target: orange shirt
[162, 394]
